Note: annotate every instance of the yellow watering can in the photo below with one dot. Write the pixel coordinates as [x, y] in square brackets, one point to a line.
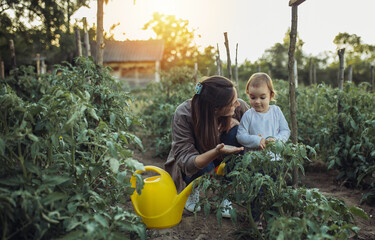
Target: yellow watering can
[159, 205]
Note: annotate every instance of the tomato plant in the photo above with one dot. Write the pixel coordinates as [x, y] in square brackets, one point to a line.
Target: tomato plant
[65, 150]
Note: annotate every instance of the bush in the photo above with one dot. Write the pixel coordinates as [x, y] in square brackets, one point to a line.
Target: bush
[64, 148]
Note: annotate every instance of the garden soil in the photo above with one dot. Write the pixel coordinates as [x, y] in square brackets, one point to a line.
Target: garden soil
[201, 227]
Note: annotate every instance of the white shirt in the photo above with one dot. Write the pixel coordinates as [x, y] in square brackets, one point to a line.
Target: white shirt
[254, 126]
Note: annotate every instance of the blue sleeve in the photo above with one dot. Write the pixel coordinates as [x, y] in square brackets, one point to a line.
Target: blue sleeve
[243, 135]
[284, 131]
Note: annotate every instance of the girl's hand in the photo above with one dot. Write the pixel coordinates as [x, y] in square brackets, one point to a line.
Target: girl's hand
[227, 149]
[270, 140]
[262, 143]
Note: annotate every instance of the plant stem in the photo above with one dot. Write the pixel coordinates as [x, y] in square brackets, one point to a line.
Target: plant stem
[20, 157]
[252, 222]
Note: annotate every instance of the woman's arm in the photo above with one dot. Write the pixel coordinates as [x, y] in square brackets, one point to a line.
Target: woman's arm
[204, 159]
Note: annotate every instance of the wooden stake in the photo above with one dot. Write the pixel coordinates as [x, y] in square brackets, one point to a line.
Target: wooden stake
[218, 62]
[38, 63]
[99, 34]
[314, 74]
[78, 42]
[292, 87]
[86, 38]
[229, 64]
[13, 54]
[2, 70]
[341, 53]
[310, 72]
[350, 73]
[372, 79]
[236, 68]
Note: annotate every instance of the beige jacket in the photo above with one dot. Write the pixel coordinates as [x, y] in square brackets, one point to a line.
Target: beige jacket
[184, 145]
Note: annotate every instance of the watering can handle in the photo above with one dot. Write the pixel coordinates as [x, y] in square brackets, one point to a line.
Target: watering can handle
[158, 170]
[162, 172]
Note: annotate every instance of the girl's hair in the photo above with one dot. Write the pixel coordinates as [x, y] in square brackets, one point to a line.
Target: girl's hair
[217, 92]
[259, 78]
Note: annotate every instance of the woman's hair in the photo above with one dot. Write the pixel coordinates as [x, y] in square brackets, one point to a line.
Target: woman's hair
[217, 92]
[259, 78]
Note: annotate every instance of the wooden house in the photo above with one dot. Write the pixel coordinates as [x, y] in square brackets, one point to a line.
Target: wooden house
[136, 62]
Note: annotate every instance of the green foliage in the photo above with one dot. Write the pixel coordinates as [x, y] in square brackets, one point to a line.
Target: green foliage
[162, 99]
[345, 140]
[65, 150]
[258, 187]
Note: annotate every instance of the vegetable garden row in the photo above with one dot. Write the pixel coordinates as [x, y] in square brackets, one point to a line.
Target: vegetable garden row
[66, 145]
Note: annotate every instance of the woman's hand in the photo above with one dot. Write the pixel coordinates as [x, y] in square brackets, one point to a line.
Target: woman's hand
[227, 149]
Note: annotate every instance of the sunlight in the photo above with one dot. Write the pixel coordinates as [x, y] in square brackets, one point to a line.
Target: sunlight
[168, 7]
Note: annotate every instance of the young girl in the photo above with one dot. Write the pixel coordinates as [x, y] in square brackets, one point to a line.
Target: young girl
[263, 123]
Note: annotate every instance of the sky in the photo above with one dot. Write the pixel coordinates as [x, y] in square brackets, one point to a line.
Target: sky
[256, 25]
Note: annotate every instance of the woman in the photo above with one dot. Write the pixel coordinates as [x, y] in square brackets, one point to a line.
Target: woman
[204, 128]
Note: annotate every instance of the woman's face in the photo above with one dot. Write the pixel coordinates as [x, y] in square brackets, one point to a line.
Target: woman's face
[229, 110]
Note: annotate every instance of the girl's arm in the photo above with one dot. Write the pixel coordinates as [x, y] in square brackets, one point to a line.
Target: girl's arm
[284, 131]
[243, 135]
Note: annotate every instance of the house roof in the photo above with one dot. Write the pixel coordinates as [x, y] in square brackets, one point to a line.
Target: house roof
[133, 51]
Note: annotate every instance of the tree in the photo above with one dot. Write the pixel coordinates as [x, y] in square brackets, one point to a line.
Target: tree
[47, 30]
[357, 54]
[179, 46]
[277, 55]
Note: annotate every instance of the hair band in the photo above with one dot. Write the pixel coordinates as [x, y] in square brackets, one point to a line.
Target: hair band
[198, 88]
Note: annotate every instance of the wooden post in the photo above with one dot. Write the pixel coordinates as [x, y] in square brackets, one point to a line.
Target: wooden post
[2, 70]
[218, 62]
[258, 68]
[292, 90]
[78, 42]
[236, 68]
[310, 72]
[295, 69]
[13, 54]
[314, 74]
[229, 64]
[99, 34]
[372, 79]
[350, 73]
[157, 71]
[86, 38]
[38, 63]
[341, 53]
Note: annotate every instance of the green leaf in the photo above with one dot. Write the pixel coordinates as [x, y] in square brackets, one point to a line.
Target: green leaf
[358, 212]
[134, 164]
[114, 165]
[72, 119]
[53, 197]
[93, 114]
[33, 137]
[101, 220]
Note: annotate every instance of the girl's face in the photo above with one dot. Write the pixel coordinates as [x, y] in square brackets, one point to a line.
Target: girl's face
[260, 97]
[229, 110]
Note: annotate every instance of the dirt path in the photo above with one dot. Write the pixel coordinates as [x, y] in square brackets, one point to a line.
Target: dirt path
[202, 227]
